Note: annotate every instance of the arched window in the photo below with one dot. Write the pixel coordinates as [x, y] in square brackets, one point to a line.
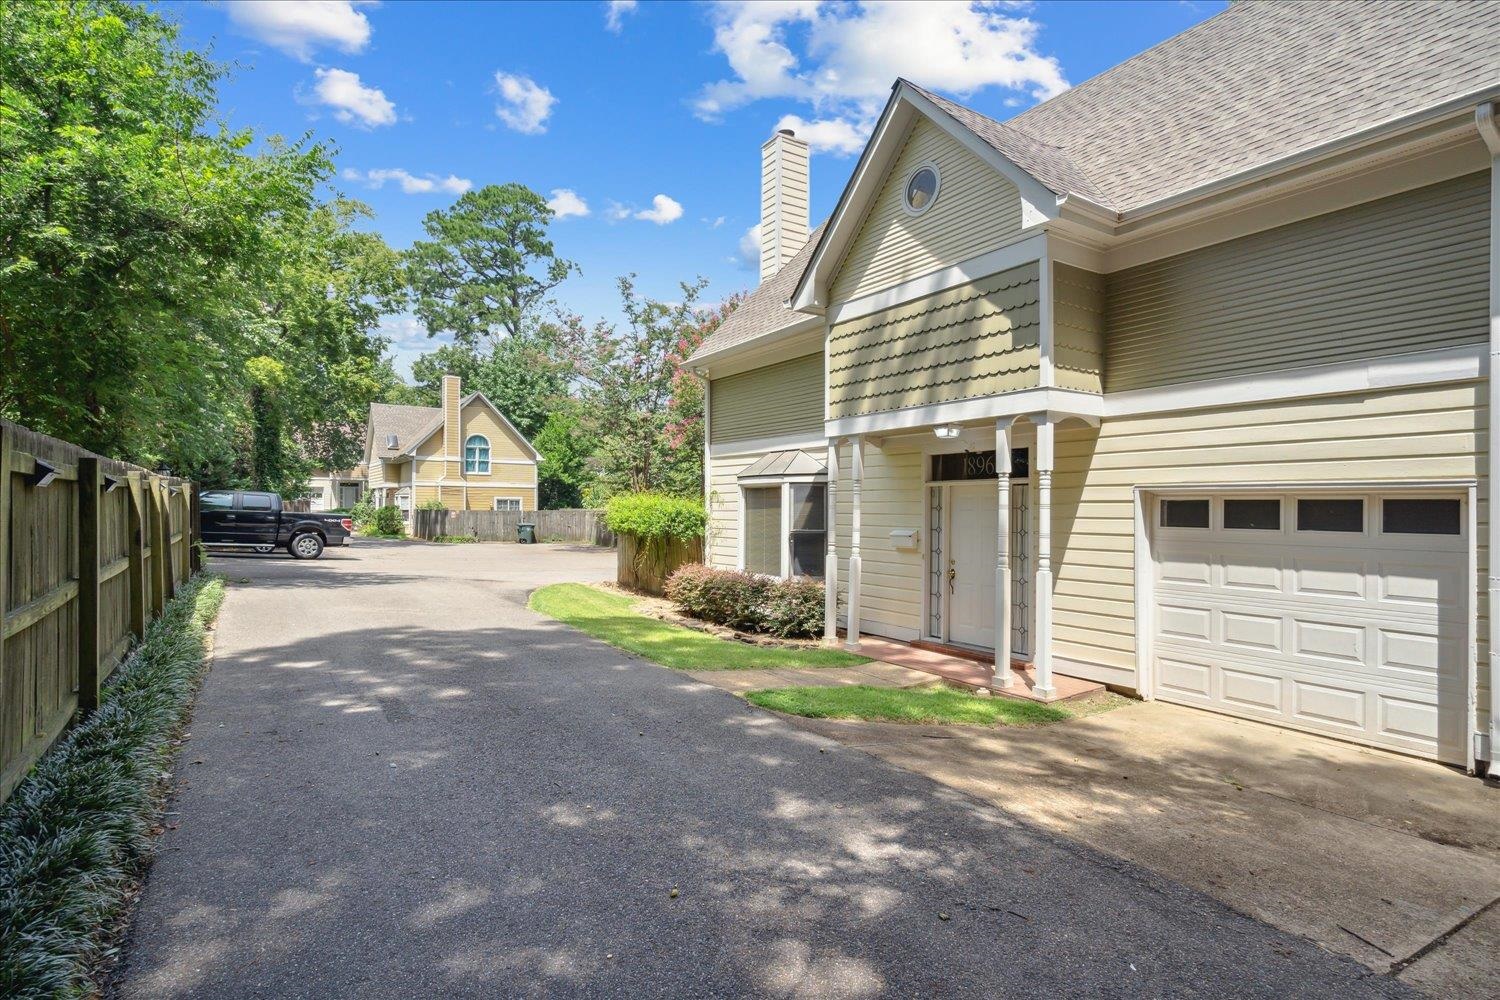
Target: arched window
[477, 454]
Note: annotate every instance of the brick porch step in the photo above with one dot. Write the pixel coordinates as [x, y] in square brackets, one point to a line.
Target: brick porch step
[972, 672]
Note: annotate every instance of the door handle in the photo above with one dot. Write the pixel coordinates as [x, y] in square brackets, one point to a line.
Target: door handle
[229, 517]
[952, 576]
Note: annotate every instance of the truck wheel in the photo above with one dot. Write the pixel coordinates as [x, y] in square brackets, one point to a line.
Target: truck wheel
[305, 546]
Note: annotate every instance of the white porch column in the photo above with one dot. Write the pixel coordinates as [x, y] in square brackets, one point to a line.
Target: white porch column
[831, 560]
[1002, 677]
[856, 480]
[1042, 656]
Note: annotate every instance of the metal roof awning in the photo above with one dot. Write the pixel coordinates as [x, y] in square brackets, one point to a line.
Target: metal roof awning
[785, 465]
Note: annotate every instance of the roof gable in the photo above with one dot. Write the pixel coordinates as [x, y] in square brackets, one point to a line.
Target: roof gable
[436, 425]
[402, 421]
[1038, 201]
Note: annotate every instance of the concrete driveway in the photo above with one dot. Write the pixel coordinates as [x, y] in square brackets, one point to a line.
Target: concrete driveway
[400, 782]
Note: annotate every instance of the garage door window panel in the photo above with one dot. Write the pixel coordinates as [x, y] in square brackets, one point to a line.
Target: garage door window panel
[1340, 515]
[1191, 513]
[1402, 516]
[1252, 514]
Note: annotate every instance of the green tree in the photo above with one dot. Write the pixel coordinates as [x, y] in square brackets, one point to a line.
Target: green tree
[487, 265]
[567, 448]
[166, 294]
[644, 408]
[526, 375]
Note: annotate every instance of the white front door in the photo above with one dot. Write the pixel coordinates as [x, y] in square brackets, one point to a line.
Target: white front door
[973, 523]
[1344, 614]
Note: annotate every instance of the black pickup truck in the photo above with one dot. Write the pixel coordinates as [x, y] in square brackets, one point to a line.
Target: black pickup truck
[256, 521]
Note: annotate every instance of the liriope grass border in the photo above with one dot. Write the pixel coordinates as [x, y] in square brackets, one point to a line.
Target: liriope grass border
[76, 834]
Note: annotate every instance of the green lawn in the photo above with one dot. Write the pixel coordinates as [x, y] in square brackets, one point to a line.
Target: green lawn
[610, 617]
[935, 703]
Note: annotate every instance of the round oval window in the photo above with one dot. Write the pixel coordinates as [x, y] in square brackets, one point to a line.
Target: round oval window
[921, 189]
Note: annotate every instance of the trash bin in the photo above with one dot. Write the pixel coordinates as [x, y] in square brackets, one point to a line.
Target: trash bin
[526, 533]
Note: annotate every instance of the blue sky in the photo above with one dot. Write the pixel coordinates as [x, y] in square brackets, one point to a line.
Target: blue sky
[648, 115]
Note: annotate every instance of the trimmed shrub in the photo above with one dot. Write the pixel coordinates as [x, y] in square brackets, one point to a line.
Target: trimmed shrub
[388, 521]
[789, 609]
[433, 504]
[794, 609]
[655, 517]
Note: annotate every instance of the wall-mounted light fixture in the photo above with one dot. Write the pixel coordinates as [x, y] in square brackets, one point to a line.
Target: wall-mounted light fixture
[947, 431]
[41, 477]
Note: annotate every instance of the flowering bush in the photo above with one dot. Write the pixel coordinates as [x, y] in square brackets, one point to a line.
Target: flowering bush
[785, 608]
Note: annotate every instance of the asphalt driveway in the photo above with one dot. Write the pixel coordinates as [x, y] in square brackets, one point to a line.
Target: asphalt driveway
[403, 783]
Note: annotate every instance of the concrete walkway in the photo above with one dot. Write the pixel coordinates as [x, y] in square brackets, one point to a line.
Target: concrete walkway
[401, 783]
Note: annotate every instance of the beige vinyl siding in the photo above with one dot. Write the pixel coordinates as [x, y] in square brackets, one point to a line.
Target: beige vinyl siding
[722, 550]
[480, 419]
[1426, 433]
[892, 497]
[976, 210]
[781, 399]
[975, 340]
[483, 497]
[1401, 274]
[1078, 328]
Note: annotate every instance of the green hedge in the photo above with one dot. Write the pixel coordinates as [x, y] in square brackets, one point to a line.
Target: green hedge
[75, 835]
[655, 517]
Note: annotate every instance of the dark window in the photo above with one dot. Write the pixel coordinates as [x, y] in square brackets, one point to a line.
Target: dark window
[809, 528]
[763, 530]
[1184, 513]
[964, 465]
[216, 501]
[1330, 515]
[256, 501]
[1253, 515]
[1419, 517]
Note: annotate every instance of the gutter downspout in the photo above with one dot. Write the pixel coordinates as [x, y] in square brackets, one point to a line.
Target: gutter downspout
[1485, 119]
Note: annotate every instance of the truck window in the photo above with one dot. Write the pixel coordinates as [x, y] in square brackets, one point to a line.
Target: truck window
[216, 501]
[256, 501]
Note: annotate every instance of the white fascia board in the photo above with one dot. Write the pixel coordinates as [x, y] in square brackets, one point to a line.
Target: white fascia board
[1450, 364]
[1024, 251]
[811, 293]
[1058, 402]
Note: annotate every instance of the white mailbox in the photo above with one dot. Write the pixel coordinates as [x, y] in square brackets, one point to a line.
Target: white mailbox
[904, 538]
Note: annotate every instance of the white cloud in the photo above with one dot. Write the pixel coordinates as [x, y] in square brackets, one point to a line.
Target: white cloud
[526, 104]
[747, 254]
[300, 28]
[566, 204]
[614, 13]
[662, 211]
[351, 100]
[715, 222]
[410, 183]
[841, 58]
[828, 135]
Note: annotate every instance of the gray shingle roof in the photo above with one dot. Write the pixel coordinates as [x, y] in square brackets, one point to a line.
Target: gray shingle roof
[785, 463]
[403, 421]
[1263, 80]
[764, 310]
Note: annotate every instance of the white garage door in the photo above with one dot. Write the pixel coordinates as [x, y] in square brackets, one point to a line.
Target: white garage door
[1336, 613]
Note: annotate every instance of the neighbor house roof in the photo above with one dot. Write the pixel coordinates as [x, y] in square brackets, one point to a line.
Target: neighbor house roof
[403, 421]
[764, 310]
[435, 424]
[1261, 81]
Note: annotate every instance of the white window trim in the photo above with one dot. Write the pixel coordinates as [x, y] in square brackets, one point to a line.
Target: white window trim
[784, 483]
[477, 470]
[937, 189]
[495, 503]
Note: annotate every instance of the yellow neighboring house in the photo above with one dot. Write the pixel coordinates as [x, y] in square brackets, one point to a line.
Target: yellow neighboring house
[464, 454]
[1177, 381]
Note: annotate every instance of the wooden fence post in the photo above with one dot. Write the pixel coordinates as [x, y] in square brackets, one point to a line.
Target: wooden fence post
[158, 548]
[7, 446]
[88, 582]
[164, 533]
[195, 520]
[136, 544]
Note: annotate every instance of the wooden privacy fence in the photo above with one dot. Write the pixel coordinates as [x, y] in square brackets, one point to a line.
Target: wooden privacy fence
[500, 525]
[90, 551]
[643, 567]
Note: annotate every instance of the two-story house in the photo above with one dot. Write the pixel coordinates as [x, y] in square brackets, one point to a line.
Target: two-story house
[1177, 381]
[464, 454]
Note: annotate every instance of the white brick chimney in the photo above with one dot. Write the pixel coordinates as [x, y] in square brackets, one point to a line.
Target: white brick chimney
[783, 200]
